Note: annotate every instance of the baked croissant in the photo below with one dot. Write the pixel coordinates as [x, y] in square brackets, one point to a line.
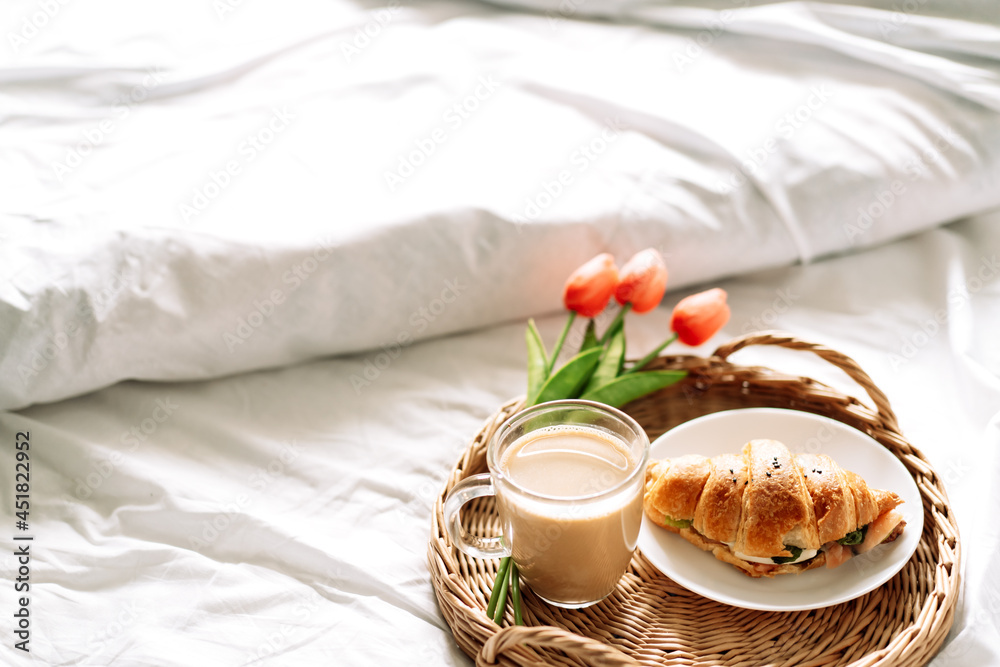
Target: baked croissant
[767, 511]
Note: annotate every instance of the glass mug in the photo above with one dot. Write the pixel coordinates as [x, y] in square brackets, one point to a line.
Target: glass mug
[568, 478]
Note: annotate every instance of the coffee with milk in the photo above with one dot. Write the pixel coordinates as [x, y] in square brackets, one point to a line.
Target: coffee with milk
[574, 527]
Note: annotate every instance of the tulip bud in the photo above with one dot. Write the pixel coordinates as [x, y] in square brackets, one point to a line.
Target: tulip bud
[643, 281]
[700, 316]
[589, 288]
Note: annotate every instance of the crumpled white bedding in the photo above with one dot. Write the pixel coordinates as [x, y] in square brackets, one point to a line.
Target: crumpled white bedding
[215, 197]
[282, 516]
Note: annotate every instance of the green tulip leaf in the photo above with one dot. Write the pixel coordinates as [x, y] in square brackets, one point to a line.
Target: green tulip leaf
[626, 388]
[537, 362]
[569, 380]
[611, 362]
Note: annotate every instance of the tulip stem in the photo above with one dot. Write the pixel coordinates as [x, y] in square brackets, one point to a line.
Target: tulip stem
[515, 594]
[559, 343]
[619, 318]
[502, 572]
[639, 365]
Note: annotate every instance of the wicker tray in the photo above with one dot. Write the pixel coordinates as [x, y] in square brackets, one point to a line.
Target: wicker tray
[651, 620]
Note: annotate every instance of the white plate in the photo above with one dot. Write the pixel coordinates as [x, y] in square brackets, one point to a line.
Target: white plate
[723, 432]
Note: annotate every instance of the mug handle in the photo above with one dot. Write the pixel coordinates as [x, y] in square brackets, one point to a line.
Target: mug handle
[474, 486]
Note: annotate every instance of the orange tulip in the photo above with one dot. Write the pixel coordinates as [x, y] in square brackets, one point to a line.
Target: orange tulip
[589, 288]
[643, 281]
[700, 316]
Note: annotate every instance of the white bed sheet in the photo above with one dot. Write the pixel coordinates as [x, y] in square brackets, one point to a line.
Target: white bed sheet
[261, 502]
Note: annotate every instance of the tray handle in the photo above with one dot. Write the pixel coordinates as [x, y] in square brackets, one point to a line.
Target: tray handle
[838, 359]
[589, 651]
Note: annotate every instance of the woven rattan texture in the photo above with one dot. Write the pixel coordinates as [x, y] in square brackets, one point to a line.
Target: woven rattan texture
[651, 620]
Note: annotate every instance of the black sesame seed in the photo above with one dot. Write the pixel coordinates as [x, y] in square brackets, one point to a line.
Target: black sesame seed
[768, 474]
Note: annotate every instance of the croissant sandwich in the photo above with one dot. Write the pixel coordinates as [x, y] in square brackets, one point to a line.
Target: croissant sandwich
[767, 511]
